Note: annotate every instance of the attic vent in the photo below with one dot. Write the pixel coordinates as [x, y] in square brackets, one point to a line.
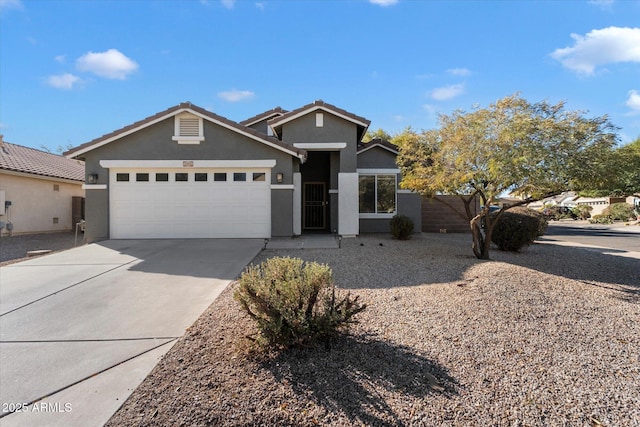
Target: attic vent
[189, 129]
[189, 126]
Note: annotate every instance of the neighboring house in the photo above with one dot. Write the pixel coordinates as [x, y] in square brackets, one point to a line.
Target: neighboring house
[188, 173]
[567, 199]
[38, 190]
[599, 204]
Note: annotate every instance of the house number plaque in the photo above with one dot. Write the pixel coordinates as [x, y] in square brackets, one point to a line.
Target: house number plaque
[187, 163]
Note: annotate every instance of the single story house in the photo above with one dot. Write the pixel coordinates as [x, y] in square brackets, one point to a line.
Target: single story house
[186, 172]
[39, 192]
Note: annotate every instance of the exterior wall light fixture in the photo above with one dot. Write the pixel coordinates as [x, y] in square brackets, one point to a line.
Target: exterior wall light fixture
[92, 178]
[279, 177]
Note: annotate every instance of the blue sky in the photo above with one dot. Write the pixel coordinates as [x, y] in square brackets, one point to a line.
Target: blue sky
[71, 71]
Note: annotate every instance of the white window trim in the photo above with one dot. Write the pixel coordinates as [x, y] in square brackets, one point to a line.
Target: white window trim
[180, 164]
[376, 215]
[94, 186]
[320, 146]
[188, 139]
[319, 120]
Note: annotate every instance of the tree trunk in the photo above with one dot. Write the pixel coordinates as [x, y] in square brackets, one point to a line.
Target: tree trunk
[479, 244]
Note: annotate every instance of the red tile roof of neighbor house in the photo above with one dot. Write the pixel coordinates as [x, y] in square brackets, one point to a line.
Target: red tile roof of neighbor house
[27, 160]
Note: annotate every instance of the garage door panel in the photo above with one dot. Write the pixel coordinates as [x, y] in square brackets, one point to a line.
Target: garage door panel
[196, 209]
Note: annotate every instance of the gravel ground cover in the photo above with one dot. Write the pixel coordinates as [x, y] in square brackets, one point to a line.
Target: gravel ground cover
[15, 248]
[547, 337]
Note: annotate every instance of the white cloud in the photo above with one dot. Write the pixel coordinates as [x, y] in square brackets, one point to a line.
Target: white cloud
[447, 92]
[228, 3]
[600, 47]
[459, 71]
[260, 5]
[63, 81]
[111, 64]
[236, 95]
[603, 4]
[383, 3]
[633, 101]
[61, 58]
[10, 4]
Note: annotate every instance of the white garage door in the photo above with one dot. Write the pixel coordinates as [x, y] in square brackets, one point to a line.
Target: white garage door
[193, 203]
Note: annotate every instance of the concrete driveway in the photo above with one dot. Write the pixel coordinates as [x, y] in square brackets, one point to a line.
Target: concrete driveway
[80, 329]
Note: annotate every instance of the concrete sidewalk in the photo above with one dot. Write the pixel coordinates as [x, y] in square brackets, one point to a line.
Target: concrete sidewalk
[80, 329]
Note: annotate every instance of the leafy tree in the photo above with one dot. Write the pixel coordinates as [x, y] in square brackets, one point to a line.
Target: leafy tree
[624, 176]
[380, 133]
[535, 150]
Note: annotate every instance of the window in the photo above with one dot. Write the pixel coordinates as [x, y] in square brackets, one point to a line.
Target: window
[122, 177]
[239, 176]
[259, 176]
[220, 176]
[377, 194]
[182, 177]
[56, 187]
[142, 177]
[189, 129]
[162, 177]
[201, 176]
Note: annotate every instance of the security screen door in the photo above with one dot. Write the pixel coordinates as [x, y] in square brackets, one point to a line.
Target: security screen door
[314, 206]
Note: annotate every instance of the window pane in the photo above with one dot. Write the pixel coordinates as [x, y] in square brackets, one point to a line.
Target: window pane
[220, 176]
[122, 177]
[142, 177]
[239, 176]
[201, 176]
[386, 194]
[367, 194]
[182, 177]
[259, 176]
[162, 177]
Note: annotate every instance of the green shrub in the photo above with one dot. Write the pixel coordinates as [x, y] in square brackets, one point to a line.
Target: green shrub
[294, 303]
[601, 219]
[582, 211]
[620, 211]
[401, 227]
[518, 227]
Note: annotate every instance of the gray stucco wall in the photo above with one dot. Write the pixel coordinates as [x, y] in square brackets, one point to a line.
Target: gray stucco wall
[377, 158]
[409, 204]
[334, 129]
[281, 213]
[155, 143]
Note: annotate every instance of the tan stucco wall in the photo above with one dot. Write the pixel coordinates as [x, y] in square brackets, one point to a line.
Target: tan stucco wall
[34, 204]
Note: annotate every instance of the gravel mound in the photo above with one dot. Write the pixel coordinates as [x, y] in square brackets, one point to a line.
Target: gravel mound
[547, 337]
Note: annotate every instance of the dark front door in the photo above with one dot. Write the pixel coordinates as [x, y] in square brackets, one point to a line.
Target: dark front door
[314, 206]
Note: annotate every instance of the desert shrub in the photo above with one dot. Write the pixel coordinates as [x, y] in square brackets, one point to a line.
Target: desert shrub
[294, 303]
[582, 211]
[620, 211]
[601, 219]
[518, 227]
[401, 227]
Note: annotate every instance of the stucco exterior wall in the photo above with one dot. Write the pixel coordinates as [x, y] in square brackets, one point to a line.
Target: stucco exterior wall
[35, 204]
[409, 204]
[282, 213]
[334, 129]
[437, 216]
[377, 158]
[155, 143]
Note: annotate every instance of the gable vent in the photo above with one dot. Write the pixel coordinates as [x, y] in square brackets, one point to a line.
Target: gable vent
[189, 126]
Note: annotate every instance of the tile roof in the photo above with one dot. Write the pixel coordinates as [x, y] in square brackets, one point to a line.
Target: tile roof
[377, 142]
[88, 146]
[319, 104]
[267, 115]
[29, 160]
